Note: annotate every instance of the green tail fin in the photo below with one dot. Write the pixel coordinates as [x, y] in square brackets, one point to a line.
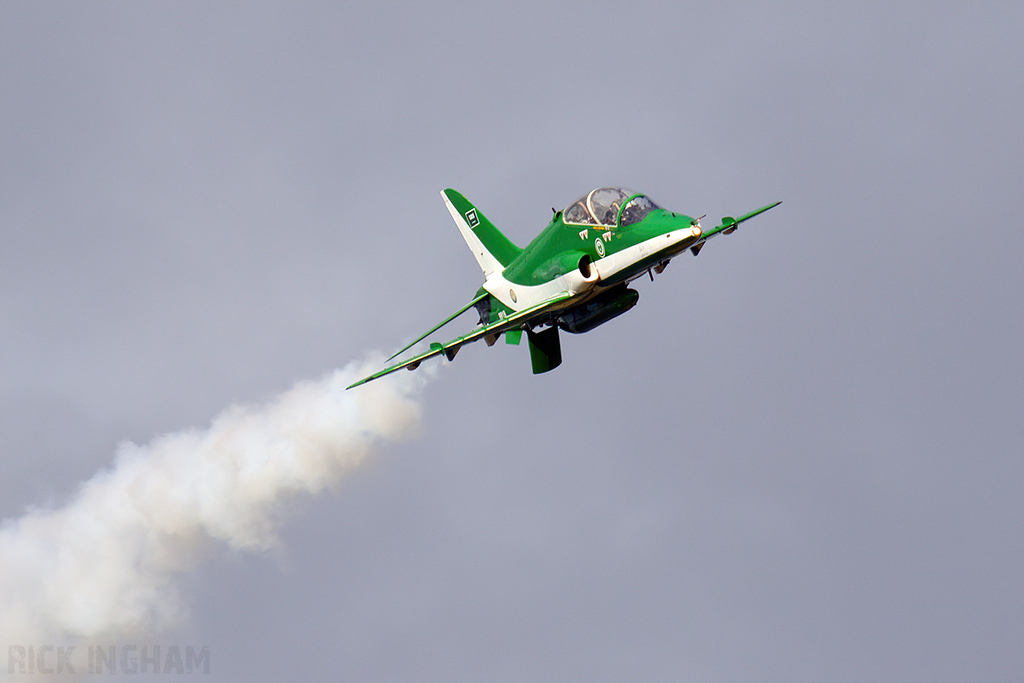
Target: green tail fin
[493, 251]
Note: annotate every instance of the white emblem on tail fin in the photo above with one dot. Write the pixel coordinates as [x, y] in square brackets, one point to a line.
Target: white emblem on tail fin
[472, 219]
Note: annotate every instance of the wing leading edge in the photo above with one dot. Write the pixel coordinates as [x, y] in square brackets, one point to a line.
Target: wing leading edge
[514, 321]
[728, 225]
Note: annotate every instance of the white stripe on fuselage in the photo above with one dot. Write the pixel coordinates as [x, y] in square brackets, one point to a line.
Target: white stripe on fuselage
[615, 263]
[518, 297]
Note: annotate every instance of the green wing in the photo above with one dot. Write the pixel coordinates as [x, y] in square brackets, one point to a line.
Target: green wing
[514, 321]
[438, 326]
[729, 224]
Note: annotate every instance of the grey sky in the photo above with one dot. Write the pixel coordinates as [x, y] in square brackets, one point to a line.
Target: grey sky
[798, 458]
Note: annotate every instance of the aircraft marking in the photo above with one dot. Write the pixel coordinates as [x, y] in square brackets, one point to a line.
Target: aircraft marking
[511, 273]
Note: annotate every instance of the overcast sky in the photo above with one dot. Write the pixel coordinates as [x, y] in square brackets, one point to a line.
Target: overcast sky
[799, 458]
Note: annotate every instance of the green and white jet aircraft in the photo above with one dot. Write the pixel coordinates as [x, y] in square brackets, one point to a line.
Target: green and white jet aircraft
[573, 276]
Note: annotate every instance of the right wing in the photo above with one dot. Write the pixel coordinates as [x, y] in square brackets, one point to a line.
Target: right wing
[438, 326]
[492, 330]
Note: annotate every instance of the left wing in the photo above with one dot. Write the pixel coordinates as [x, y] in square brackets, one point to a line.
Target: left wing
[728, 225]
[490, 330]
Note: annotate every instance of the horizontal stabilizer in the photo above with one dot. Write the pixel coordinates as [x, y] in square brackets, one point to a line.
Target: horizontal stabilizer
[511, 322]
[545, 349]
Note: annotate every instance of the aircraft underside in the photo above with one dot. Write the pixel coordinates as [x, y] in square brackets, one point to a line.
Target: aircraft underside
[608, 304]
[543, 340]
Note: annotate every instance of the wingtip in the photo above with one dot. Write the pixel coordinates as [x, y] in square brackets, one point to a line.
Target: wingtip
[364, 380]
[369, 378]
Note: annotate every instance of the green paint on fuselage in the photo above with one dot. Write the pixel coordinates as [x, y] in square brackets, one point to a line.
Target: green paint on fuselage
[558, 249]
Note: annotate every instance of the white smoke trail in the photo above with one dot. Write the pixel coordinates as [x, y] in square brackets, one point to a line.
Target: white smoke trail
[103, 565]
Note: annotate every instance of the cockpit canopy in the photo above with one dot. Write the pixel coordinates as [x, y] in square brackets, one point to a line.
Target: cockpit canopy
[603, 206]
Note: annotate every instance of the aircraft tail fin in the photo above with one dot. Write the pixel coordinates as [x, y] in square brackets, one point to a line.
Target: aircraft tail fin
[493, 251]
